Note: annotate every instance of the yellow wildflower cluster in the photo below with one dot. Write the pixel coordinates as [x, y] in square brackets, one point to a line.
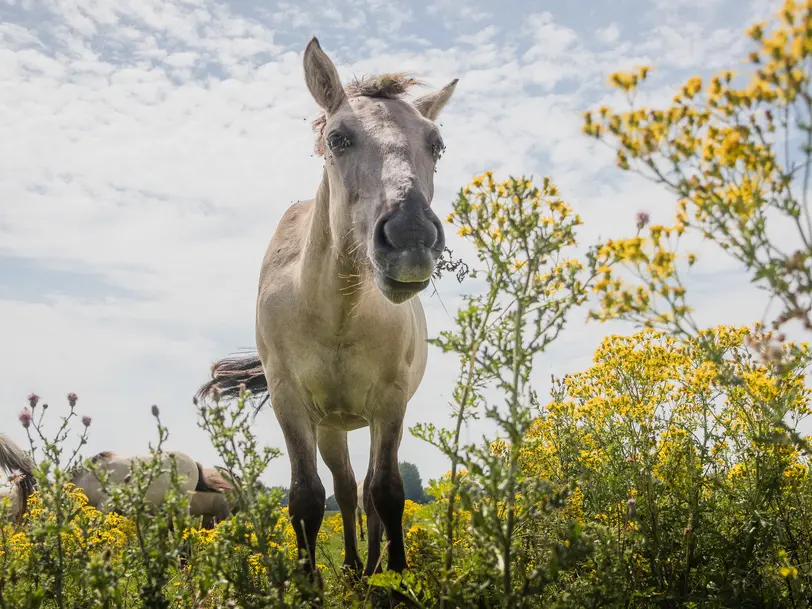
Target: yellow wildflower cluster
[647, 399]
[488, 211]
[717, 148]
[652, 264]
[83, 532]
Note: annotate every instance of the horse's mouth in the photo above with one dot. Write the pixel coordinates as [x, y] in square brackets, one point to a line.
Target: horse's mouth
[399, 291]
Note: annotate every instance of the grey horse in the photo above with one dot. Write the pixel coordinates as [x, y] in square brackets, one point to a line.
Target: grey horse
[340, 332]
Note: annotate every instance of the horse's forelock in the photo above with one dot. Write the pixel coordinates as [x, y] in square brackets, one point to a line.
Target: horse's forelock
[383, 86]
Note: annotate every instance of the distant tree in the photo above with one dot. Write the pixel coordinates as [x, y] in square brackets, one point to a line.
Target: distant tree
[412, 484]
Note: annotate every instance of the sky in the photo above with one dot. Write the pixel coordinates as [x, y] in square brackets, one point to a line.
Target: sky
[149, 148]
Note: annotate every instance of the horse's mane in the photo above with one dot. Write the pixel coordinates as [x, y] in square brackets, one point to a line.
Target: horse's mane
[104, 455]
[384, 86]
[211, 480]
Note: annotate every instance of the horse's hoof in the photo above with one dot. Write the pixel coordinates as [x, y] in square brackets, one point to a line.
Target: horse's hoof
[396, 599]
[374, 570]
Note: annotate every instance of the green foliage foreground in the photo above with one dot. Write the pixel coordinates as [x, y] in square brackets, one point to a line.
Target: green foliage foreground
[671, 473]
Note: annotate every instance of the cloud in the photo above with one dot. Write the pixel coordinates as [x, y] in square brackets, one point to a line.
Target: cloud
[151, 146]
[609, 34]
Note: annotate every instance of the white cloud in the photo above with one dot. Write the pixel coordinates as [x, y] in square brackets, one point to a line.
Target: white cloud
[609, 34]
[154, 144]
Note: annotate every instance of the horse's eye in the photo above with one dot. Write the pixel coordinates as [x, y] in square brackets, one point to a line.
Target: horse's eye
[338, 142]
[437, 149]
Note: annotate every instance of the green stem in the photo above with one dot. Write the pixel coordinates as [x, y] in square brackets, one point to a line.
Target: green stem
[515, 444]
[466, 392]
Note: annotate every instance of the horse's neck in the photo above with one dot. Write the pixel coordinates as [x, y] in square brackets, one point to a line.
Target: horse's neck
[329, 274]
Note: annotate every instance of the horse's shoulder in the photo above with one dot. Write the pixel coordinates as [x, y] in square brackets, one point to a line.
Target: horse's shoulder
[283, 254]
[286, 243]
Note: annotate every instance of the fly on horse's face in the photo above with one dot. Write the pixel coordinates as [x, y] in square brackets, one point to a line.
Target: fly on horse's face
[382, 152]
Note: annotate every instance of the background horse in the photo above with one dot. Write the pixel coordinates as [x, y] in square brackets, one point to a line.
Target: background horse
[341, 336]
[194, 479]
[14, 459]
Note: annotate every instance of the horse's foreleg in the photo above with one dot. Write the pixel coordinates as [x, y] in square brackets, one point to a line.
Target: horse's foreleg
[336, 455]
[386, 487]
[306, 498]
[386, 493]
[374, 526]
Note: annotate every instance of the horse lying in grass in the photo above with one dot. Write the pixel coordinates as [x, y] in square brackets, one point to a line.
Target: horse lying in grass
[204, 486]
[340, 331]
[15, 459]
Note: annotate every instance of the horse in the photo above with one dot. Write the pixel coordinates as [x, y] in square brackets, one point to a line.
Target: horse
[340, 331]
[196, 481]
[14, 458]
[359, 511]
[214, 507]
[211, 507]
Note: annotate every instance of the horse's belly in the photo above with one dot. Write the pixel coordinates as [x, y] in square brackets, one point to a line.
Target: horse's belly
[346, 393]
[344, 420]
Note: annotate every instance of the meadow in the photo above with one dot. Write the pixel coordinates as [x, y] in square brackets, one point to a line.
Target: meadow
[672, 472]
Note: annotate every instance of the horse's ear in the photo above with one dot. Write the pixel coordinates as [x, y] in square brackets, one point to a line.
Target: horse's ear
[322, 78]
[431, 104]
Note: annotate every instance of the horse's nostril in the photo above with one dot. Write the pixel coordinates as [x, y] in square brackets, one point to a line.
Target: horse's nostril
[382, 239]
[433, 231]
[407, 229]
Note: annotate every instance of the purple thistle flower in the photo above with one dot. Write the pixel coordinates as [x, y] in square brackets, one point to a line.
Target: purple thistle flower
[72, 397]
[642, 219]
[86, 421]
[25, 417]
[33, 398]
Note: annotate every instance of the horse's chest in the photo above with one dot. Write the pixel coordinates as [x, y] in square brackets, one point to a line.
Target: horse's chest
[342, 367]
[344, 377]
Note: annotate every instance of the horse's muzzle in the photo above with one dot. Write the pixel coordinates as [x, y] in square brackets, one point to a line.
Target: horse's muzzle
[406, 246]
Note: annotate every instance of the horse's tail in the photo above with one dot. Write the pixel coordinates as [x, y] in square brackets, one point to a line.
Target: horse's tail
[12, 457]
[228, 374]
[211, 481]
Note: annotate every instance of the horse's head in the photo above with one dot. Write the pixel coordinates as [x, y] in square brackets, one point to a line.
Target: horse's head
[381, 154]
